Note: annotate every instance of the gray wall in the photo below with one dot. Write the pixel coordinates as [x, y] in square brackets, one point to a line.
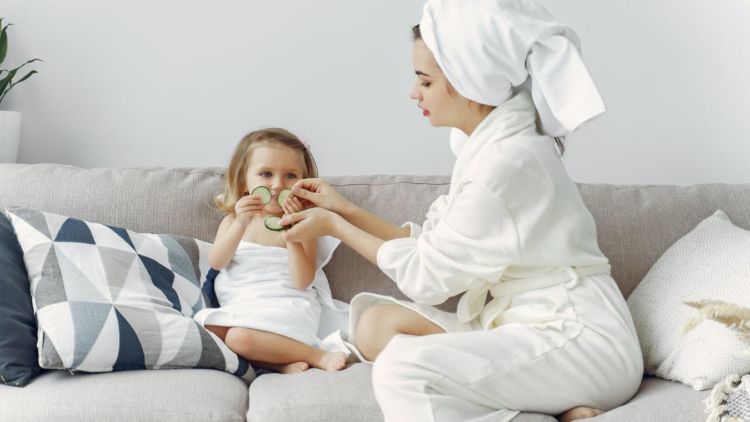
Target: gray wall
[177, 83]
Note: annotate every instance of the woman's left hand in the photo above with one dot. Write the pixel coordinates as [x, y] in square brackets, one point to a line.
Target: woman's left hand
[309, 224]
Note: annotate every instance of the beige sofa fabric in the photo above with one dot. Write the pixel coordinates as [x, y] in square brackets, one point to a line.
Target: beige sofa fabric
[635, 224]
[167, 395]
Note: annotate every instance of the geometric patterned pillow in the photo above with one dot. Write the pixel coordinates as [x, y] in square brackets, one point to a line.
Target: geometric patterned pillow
[109, 299]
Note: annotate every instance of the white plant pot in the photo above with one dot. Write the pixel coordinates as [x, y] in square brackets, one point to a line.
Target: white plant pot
[10, 135]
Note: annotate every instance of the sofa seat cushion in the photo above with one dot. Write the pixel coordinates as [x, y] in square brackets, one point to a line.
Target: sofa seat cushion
[179, 395]
[659, 400]
[320, 396]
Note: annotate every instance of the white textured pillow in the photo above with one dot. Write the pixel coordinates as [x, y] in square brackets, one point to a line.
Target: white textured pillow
[712, 262]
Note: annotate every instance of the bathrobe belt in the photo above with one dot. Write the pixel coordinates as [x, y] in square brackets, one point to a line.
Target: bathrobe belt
[472, 303]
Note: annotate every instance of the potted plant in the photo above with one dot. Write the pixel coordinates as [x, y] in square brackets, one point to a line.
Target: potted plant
[10, 121]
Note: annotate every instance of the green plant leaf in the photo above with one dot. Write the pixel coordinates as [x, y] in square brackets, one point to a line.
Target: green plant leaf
[3, 43]
[26, 76]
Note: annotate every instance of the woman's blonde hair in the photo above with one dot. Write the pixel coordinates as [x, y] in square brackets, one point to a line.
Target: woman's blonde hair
[235, 186]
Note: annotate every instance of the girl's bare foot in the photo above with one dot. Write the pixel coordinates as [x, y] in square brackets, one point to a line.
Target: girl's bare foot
[294, 368]
[331, 361]
[580, 412]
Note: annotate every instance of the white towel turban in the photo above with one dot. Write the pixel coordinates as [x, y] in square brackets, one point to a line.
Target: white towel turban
[486, 48]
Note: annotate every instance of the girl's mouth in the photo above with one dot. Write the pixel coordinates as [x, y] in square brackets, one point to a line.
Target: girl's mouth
[425, 113]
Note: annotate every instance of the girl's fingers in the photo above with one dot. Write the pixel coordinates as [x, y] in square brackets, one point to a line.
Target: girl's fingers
[293, 205]
[297, 204]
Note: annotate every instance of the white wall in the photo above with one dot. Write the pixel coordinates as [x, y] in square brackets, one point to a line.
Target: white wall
[177, 83]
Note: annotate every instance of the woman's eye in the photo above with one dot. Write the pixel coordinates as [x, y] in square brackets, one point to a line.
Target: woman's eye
[264, 174]
[425, 84]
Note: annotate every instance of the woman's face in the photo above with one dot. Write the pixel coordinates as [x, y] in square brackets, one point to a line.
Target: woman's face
[435, 96]
[275, 167]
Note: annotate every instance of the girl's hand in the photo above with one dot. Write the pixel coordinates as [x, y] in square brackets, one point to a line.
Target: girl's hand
[309, 224]
[319, 193]
[246, 207]
[294, 204]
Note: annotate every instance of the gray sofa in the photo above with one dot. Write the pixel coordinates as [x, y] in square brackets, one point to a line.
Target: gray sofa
[636, 224]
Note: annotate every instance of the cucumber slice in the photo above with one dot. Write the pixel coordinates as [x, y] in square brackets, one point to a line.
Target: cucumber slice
[264, 192]
[273, 223]
[283, 195]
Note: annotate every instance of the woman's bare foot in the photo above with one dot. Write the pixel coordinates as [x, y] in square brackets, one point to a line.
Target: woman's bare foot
[580, 412]
[331, 361]
[294, 368]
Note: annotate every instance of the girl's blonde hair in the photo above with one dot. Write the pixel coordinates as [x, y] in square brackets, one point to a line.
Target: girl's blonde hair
[235, 185]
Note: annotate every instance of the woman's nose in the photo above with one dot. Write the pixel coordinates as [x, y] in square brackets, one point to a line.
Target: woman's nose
[414, 93]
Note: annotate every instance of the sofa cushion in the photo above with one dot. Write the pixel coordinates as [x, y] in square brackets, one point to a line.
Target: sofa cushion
[316, 395]
[636, 224]
[178, 395]
[18, 356]
[659, 400]
[712, 262]
[109, 299]
[153, 200]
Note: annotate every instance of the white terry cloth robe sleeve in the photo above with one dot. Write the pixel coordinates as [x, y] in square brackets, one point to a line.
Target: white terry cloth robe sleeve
[511, 209]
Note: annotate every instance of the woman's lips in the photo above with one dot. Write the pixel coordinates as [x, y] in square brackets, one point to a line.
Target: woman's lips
[425, 112]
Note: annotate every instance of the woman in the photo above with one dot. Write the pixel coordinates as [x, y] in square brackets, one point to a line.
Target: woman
[557, 333]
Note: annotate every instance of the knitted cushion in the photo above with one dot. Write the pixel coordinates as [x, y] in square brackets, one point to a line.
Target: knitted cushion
[712, 262]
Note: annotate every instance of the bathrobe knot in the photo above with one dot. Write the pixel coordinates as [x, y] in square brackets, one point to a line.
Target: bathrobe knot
[474, 303]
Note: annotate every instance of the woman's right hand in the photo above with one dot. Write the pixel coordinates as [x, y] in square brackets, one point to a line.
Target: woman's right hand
[321, 194]
[246, 207]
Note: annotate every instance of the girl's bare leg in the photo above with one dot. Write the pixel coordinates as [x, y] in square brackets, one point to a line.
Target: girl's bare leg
[379, 323]
[289, 368]
[580, 412]
[279, 352]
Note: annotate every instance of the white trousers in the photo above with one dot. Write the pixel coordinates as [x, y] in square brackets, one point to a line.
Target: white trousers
[492, 375]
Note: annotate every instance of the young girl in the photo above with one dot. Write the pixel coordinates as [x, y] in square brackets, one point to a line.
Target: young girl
[269, 290]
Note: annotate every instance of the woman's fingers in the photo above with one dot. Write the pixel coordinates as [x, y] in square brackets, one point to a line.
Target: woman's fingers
[304, 193]
[294, 218]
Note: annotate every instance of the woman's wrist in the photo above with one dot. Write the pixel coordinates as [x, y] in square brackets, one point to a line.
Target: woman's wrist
[336, 224]
[347, 210]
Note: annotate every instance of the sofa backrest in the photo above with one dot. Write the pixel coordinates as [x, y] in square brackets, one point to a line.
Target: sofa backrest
[635, 224]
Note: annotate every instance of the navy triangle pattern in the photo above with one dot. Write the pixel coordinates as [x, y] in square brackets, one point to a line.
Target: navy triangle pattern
[123, 234]
[162, 278]
[208, 289]
[130, 354]
[75, 231]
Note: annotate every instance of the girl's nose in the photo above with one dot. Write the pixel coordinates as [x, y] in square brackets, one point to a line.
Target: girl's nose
[278, 183]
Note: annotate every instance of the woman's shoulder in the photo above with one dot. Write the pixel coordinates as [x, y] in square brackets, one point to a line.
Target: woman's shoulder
[514, 163]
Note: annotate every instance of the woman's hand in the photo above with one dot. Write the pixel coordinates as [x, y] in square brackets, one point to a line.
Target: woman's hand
[321, 194]
[246, 207]
[310, 224]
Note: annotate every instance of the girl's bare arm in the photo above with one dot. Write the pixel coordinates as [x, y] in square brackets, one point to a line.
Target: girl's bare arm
[302, 262]
[228, 236]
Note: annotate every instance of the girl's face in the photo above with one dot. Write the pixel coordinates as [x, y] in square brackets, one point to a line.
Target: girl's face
[276, 167]
[434, 94]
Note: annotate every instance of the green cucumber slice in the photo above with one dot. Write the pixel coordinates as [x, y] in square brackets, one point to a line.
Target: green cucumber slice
[283, 195]
[273, 223]
[263, 192]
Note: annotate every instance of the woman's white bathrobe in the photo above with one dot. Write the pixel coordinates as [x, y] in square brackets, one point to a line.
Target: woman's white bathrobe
[557, 332]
